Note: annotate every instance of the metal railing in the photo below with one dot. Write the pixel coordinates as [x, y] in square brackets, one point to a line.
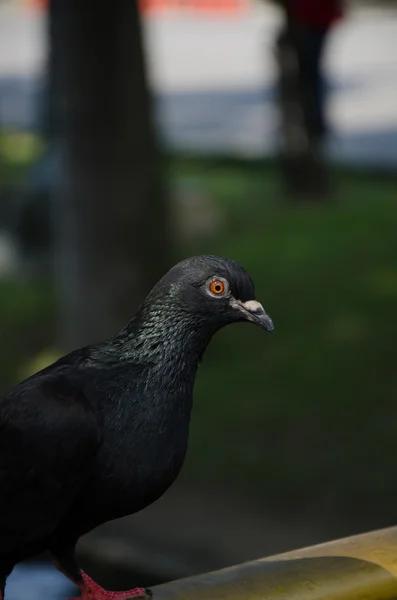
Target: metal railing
[363, 567]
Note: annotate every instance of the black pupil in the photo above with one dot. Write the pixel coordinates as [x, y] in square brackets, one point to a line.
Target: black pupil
[218, 287]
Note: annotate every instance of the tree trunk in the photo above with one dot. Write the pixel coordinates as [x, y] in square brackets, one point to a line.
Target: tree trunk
[110, 213]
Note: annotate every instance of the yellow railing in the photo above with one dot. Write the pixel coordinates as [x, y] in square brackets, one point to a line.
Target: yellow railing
[363, 567]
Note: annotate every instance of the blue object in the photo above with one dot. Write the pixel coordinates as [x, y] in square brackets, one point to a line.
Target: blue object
[37, 581]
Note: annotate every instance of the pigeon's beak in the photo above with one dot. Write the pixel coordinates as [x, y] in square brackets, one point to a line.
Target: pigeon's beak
[254, 312]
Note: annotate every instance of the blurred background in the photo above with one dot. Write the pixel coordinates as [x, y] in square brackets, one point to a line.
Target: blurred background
[133, 135]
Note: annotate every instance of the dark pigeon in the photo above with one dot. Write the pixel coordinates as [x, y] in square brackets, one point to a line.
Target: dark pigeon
[103, 432]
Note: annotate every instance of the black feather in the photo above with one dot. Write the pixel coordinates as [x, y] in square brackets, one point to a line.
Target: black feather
[103, 432]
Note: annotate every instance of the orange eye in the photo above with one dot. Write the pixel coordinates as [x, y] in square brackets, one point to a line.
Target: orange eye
[217, 287]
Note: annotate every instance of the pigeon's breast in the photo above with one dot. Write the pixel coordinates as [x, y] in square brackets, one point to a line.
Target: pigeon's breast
[126, 484]
[144, 430]
[121, 485]
[138, 461]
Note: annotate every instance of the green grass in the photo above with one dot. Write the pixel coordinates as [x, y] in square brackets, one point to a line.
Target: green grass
[26, 326]
[308, 415]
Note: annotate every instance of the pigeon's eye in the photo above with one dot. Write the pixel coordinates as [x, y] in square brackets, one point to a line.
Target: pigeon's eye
[217, 287]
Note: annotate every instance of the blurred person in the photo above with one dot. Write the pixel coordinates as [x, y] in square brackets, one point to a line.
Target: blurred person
[300, 49]
[307, 25]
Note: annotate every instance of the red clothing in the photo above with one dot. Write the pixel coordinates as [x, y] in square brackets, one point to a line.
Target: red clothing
[315, 12]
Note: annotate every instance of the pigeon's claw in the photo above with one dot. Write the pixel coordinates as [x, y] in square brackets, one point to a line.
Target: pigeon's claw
[92, 591]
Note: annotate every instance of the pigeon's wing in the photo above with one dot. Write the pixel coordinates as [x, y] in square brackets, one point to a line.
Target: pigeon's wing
[49, 437]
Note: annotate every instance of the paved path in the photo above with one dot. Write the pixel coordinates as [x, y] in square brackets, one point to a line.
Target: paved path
[216, 83]
[214, 80]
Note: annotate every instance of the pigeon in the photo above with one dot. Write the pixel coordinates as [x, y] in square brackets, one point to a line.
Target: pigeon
[102, 433]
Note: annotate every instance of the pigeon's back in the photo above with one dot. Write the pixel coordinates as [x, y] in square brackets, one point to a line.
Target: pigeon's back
[49, 437]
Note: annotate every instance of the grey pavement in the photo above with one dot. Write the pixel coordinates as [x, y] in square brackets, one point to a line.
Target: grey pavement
[213, 80]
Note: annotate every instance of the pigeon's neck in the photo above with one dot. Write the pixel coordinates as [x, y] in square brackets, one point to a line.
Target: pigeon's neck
[172, 337]
[154, 360]
[171, 341]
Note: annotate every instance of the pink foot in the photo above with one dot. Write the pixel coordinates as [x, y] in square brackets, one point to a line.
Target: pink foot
[92, 591]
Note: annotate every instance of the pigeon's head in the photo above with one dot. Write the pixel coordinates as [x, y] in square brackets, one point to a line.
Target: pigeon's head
[214, 290]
